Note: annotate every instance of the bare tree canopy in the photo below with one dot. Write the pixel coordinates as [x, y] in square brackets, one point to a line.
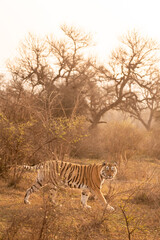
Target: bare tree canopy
[70, 83]
[130, 80]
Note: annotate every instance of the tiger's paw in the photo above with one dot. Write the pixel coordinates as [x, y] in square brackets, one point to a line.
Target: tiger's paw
[26, 201]
[87, 206]
[110, 208]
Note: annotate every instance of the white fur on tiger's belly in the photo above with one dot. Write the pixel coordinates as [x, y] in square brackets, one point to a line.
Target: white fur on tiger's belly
[82, 186]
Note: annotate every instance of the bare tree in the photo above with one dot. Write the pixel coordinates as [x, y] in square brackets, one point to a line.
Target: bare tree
[144, 78]
[128, 77]
[55, 67]
[145, 104]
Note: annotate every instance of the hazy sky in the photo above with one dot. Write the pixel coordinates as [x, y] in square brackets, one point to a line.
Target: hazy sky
[105, 19]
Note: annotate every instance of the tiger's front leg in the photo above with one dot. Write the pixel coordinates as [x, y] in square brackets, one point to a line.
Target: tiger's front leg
[100, 196]
[84, 198]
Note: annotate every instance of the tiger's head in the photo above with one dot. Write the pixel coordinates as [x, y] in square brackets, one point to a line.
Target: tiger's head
[108, 171]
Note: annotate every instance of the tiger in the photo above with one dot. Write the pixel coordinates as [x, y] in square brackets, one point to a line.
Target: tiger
[88, 178]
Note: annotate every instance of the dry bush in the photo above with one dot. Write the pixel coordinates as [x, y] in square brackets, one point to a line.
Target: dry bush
[117, 140]
[92, 146]
[67, 132]
[136, 170]
[148, 195]
[121, 143]
[151, 143]
[122, 139]
[15, 144]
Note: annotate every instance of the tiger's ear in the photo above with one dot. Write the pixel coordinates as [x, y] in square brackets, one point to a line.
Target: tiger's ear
[104, 164]
[115, 164]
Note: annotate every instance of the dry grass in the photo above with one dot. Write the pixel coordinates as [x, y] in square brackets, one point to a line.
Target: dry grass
[69, 221]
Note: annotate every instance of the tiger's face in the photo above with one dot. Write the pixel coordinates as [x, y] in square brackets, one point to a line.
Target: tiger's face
[108, 171]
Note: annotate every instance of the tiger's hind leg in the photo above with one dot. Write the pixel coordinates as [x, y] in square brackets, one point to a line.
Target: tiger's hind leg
[84, 198]
[53, 194]
[34, 188]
